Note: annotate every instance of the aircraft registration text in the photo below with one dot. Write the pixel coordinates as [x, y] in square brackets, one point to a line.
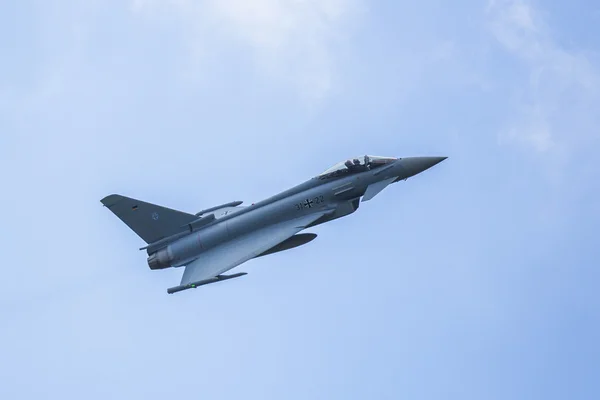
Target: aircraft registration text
[309, 203]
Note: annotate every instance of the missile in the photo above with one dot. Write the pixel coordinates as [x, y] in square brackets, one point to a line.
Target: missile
[230, 204]
[200, 222]
[194, 285]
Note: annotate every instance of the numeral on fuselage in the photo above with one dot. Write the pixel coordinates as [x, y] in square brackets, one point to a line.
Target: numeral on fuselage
[309, 203]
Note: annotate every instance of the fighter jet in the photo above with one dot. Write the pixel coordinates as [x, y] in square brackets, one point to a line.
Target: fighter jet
[218, 239]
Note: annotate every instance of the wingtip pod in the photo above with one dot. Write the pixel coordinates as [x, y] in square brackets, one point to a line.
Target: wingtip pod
[194, 285]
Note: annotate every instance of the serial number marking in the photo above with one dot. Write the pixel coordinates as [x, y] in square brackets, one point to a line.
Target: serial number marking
[308, 203]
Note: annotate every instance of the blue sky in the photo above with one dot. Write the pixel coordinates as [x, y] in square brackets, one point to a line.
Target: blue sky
[477, 279]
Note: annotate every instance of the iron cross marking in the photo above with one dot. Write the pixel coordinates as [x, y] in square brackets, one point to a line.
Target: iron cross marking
[308, 203]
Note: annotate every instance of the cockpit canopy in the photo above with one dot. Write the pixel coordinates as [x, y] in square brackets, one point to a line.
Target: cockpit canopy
[356, 164]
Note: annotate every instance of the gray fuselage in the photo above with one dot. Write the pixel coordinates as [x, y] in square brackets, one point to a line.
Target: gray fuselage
[338, 193]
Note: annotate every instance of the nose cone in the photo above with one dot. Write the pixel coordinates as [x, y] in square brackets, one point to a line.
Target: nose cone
[411, 166]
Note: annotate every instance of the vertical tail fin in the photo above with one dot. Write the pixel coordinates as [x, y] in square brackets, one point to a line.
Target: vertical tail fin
[149, 221]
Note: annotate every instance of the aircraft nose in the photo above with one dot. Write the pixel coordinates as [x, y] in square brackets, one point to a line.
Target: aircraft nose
[415, 165]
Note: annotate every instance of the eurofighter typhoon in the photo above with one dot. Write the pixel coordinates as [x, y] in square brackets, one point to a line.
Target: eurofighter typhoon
[220, 238]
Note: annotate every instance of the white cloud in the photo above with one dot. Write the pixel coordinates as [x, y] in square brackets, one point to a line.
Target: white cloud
[294, 41]
[556, 103]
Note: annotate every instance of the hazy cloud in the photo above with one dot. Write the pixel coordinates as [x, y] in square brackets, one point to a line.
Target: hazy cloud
[292, 41]
[476, 275]
[555, 105]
